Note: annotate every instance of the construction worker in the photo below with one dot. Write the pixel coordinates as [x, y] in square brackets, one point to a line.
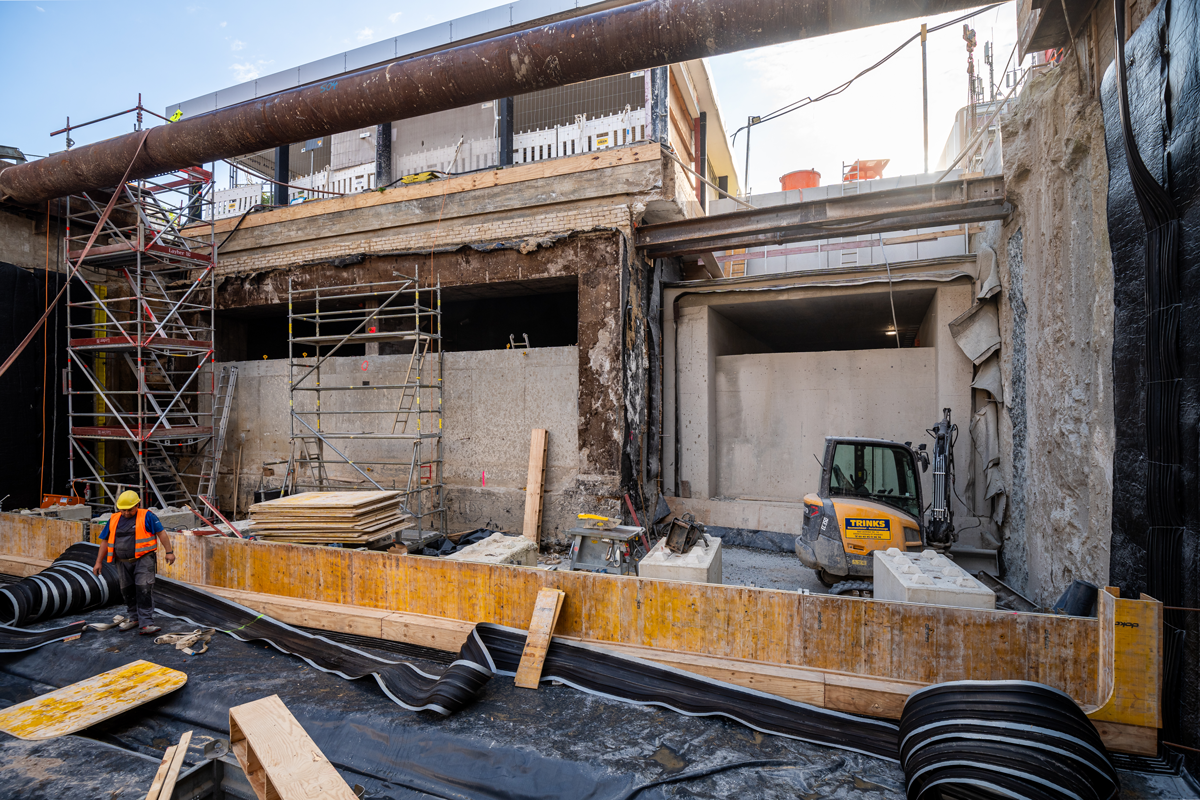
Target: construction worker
[131, 544]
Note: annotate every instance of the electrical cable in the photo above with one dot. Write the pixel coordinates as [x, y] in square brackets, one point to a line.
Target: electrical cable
[891, 299]
[807, 101]
[288, 185]
[670, 151]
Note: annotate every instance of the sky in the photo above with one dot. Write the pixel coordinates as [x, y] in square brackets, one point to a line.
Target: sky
[90, 58]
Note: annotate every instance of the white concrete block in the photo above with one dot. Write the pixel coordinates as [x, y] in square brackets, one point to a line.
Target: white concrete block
[701, 564]
[927, 577]
[500, 549]
[173, 518]
[75, 512]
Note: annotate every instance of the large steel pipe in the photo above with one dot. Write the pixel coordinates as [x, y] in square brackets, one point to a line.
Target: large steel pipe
[633, 37]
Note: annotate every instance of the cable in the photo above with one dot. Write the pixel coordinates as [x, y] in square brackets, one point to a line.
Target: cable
[288, 185]
[670, 152]
[807, 101]
[45, 349]
[892, 300]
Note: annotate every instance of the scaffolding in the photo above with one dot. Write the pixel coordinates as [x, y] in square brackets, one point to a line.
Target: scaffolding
[372, 418]
[139, 378]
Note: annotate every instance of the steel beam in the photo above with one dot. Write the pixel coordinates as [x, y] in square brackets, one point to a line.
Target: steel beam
[906, 208]
[638, 36]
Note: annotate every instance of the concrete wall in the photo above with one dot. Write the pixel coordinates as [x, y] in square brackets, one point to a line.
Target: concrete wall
[774, 410]
[739, 413]
[23, 241]
[1056, 323]
[492, 400]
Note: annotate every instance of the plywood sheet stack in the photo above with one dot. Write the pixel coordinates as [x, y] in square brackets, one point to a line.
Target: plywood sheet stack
[347, 518]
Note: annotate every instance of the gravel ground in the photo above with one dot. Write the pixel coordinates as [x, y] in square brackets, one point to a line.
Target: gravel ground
[747, 566]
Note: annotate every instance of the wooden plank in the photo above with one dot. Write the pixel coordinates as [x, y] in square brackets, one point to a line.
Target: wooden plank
[309, 613]
[167, 789]
[280, 759]
[586, 162]
[83, 704]
[161, 775]
[538, 445]
[1136, 739]
[537, 642]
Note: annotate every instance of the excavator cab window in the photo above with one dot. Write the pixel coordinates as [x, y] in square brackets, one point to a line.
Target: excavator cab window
[876, 472]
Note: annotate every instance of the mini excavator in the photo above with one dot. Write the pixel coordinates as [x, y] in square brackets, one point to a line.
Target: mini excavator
[870, 499]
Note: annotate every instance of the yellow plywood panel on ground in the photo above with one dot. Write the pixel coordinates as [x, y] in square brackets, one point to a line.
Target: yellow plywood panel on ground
[537, 641]
[279, 758]
[83, 704]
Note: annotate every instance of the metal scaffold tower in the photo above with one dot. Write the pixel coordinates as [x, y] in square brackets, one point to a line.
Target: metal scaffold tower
[372, 418]
[141, 396]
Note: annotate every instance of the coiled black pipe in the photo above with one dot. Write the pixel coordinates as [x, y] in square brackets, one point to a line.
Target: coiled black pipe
[990, 739]
[65, 587]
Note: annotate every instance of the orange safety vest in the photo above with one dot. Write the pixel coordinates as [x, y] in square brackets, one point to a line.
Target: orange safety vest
[143, 541]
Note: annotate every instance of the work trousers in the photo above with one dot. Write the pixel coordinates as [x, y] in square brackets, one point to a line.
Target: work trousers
[137, 587]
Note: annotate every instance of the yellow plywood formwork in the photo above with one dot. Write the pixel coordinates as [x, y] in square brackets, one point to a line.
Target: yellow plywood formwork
[868, 655]
[83, 704]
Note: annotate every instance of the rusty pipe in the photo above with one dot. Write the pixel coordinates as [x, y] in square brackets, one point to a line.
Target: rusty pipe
[638, 36]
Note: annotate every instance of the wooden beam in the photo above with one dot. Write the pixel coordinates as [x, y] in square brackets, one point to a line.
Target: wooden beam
[280, 759]
[163, 787]
[587, 162]
[538, 446]
[537, 641]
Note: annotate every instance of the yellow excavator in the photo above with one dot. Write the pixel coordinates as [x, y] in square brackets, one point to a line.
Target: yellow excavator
[870, 499]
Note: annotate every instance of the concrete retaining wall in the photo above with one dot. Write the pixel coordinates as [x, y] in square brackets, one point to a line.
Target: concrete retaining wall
[492, 400]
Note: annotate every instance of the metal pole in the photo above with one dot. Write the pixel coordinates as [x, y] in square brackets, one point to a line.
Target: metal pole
[746, 188]
[282, 174]
[925, 91]
[383, 155]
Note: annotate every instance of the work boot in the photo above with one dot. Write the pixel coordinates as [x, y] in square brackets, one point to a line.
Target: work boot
[149, 630]
[127, 625]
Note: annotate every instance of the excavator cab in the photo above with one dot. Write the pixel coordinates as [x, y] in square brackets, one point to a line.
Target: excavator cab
[869, 499]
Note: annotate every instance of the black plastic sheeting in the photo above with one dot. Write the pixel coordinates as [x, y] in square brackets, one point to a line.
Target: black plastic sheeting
[1153, 148]
[978, 740]
[18, 640]
[511, 744]
[67, 586]
[497, 649]
[948, 733]
[34, 378]
[599, 671]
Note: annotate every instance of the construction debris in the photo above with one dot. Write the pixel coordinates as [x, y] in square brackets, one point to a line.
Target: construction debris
[163, 787]
[346, 518]
[499, 549]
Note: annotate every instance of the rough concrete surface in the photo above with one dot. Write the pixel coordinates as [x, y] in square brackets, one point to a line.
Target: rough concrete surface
[746, 566]
[1056, 174]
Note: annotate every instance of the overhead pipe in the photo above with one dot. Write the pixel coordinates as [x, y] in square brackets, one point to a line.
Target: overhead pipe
[638, 36]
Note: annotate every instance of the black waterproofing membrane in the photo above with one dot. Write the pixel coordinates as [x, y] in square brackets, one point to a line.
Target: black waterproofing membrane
[18, 640]
[987, 739]
[969, 739]
[65, 587]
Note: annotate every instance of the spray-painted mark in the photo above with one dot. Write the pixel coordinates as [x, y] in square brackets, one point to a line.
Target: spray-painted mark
[328, 86]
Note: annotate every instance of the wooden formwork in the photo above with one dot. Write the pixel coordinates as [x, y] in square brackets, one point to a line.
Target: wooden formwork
[857, 655]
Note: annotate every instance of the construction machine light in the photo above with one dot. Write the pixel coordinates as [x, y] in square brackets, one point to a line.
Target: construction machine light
[890, 333]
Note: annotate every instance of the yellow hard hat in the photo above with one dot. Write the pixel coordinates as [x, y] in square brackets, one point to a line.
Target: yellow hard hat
[128, 499]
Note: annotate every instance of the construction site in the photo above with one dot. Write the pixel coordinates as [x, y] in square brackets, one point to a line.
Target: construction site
[450, 419]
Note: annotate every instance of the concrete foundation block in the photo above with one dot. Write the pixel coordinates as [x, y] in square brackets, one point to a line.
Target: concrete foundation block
[500, 549]
[176, 518]
[701, 564]
[75, 512]
[927, 577]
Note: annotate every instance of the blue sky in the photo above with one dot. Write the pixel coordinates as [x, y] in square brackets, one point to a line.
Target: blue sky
[88, 58]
